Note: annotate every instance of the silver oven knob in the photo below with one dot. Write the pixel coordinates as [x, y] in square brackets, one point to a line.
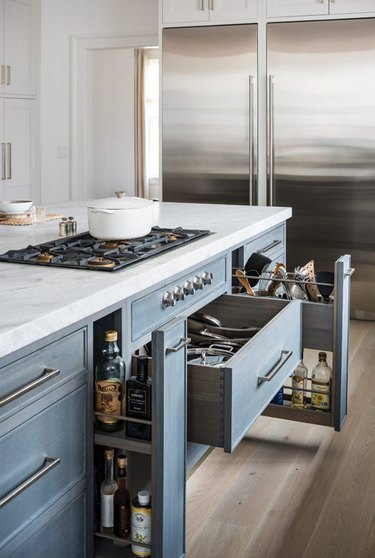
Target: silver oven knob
[189, 288]
[207, 278]
[179, 293]
[168, 299]
[198, 282]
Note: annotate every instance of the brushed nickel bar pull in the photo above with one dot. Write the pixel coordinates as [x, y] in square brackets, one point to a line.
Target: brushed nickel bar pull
[350, 272]
[251, 140]
[2, 75]
[49, 373]
[9, 161]
[213, 7]
[3, 169]
[8, 75]
[202, 5]
[270, 141]
[183, 343]
[269, 247]
[50, 463]
[285, 355]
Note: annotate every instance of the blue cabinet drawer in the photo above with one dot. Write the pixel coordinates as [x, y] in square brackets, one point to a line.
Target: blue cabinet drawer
[224, 401]
[148, 312]
[43, 454]
[28, 378]
[269, 244]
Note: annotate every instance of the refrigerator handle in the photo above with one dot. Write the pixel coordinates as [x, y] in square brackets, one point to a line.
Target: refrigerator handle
[270, 140]
[251, 140]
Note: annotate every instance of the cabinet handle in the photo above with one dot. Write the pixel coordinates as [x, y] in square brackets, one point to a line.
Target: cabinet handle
[49, 373]
[3, 171]
[9, 161]
[212, 7]
[251, 139]
[269, 247]
[2, 75]
[270, 140]
[201, 6]
[50, 463]
[8, 75]
[350, 272]
[183, 343]
[285, 355]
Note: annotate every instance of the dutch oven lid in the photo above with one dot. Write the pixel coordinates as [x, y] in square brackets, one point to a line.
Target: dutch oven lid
[119, 203]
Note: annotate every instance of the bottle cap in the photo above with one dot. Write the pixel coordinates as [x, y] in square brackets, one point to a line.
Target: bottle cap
[122, 460]
[109, 453]
[144, 497]
[322, 356]
[111, 335]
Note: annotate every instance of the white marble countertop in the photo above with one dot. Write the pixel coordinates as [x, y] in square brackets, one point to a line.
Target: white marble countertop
[37, 301]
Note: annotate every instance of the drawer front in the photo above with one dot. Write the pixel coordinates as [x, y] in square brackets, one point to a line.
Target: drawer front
[30, 377]
[30, 451]
[61, 537]
[269, 244]
[224, 402]
[148, 312]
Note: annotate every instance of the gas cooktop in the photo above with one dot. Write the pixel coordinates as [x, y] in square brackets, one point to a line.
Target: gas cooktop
[82, 251]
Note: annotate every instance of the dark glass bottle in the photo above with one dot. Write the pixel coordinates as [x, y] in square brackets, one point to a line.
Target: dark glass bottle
[138, 401]
[109, 385]
[122, 501]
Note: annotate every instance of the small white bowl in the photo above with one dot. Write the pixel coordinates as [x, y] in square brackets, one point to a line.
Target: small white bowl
[15, 207]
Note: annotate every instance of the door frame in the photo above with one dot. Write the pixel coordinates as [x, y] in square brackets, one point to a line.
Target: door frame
[79, 49]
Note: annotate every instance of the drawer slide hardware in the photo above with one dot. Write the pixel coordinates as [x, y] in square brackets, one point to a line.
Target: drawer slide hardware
[49, 373]
[285, 355]
[50, 463]
[183, 343]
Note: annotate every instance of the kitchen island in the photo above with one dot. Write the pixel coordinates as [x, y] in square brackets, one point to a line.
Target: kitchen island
[51, 329]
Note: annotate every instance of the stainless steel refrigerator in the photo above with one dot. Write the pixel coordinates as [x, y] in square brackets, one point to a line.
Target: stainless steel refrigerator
[321, 145]
[209, 120]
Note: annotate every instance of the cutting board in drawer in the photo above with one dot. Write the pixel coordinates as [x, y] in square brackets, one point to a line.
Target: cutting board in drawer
[223, 402]
[47, 441]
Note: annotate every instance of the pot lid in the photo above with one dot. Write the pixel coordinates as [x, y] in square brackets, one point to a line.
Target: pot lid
[119, 203]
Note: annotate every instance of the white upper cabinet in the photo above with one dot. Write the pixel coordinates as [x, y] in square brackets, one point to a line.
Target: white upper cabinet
[215, 11]
[280, 8]
[19, 58]
[351, 6]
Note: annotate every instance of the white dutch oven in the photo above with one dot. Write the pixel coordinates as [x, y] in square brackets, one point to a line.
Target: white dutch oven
[120, 218]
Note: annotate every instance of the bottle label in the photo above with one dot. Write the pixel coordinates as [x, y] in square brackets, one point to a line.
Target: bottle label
[141, 530]
[297, 391]
[106, 510]
[137, 401]
[321, 398]
[108, 396]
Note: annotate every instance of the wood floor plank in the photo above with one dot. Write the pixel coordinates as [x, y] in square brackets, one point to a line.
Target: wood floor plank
[294, 490]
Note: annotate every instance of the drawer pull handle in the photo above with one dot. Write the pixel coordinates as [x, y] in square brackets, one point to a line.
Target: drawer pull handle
[285, 355]
[350, 272]
[49, 373]
[50, 463]
[183, 343]
[269, 247]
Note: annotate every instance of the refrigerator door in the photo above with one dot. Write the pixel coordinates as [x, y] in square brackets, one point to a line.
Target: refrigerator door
[209, 114]
[321, 152]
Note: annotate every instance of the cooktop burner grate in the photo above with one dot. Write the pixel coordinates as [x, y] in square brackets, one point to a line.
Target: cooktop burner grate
[83, 251]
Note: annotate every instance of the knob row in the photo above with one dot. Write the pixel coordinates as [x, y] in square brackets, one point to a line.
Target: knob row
[180, 293]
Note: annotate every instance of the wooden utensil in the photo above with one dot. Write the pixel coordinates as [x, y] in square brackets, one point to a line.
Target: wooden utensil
[241, 276]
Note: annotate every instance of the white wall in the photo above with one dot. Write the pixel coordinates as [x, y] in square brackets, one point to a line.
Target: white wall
[110, 118]
[60, 19]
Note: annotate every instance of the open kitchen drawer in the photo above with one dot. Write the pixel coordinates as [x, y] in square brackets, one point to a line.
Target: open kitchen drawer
[224, 401]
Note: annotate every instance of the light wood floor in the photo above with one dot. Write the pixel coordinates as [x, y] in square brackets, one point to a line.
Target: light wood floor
[293, 490]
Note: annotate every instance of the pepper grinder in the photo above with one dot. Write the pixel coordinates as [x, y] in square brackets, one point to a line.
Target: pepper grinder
[62, 227]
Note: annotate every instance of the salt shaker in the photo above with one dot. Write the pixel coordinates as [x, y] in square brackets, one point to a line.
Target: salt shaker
[73, 225]
[62, 227]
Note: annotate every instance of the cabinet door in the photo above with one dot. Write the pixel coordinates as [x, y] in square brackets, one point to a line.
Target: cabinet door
[20, 46]
[2, 152]
[276, 8]
[351, 6]
[169, 439]
[19, 134]
[229, 10]
[179, 11]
